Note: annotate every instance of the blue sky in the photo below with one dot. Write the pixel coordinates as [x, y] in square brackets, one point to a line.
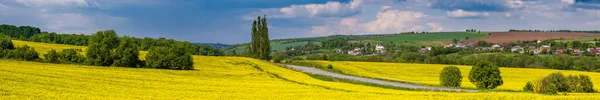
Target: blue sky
[228, 21]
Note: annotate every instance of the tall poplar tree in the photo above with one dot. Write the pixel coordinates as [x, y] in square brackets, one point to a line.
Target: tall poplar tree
[260, 46]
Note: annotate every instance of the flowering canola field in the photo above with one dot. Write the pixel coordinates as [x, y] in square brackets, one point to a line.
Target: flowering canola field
[214, 78]
[514, 78]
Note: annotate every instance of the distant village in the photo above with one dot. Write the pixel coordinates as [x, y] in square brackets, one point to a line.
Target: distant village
[542, 49]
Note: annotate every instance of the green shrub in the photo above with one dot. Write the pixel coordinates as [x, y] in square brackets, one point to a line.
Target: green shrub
[174, 57]
[450, 77]
[580, 83]
[127, 53]
[559, 80]
[5, 42]
[485, 75]
[71, 56]
[528, 87]
[51, 57]
[329, 66]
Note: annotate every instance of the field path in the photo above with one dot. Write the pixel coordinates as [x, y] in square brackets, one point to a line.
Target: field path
[374, 81]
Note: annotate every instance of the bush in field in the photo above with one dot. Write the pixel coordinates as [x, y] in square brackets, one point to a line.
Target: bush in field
[71, 56]
[580, 83]
[51, 57]
[68, 56]
[21, 53]
[174, 57]
[5, 42]
[528, 87]
[557, 82]
[127, 53]
[485, 75]
[450, 77]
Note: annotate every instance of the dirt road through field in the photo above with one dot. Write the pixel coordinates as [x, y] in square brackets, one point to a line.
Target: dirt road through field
[374, 81]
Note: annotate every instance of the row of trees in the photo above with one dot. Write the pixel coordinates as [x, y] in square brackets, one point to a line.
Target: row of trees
[107, 49]
[19, 32]
[260, 46]
[484, 75]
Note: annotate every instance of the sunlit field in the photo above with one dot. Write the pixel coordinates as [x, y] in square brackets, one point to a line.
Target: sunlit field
[214, 78]
[514, 78]
[43, 48]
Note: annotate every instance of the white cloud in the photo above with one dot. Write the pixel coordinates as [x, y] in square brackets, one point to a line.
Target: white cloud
[385, 7]
[329, 9]
[568, 1]
[387, 21]
[46, 3]
[466, 14]
[507, 14]
[436, 27]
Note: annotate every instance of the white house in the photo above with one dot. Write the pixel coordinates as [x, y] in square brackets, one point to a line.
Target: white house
[380, 48]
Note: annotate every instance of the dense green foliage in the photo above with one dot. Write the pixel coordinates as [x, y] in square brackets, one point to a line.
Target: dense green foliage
[101, 45]
[260, 46]
[5, 42]
[557, 82]
[450, 77]
[19, 32]
[72, 39]
[528, 87]
[126, 54]
[8, 51]
[66, 56]
[334, 43]
[173, 57]
[485, 75]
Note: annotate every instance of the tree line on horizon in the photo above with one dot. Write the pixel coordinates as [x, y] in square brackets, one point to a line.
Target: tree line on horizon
[28, 33]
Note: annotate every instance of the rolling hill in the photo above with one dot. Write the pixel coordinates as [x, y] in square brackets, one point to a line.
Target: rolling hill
[213, 78]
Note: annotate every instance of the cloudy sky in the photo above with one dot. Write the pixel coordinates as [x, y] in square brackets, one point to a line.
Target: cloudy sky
[228, 21]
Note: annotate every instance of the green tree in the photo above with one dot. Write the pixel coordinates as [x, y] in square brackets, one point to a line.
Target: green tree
[173, 57]
[485, 75]
[481, 43]
[126, 55]
[100, 47]
[51, 57]
[450, 77]
[260, 46]
[6, 42]
[71, 56]
[528, 87]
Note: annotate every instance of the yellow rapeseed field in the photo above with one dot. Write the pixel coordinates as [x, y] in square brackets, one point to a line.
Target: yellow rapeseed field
[514, 78]
[214, 78]
[43, 48]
